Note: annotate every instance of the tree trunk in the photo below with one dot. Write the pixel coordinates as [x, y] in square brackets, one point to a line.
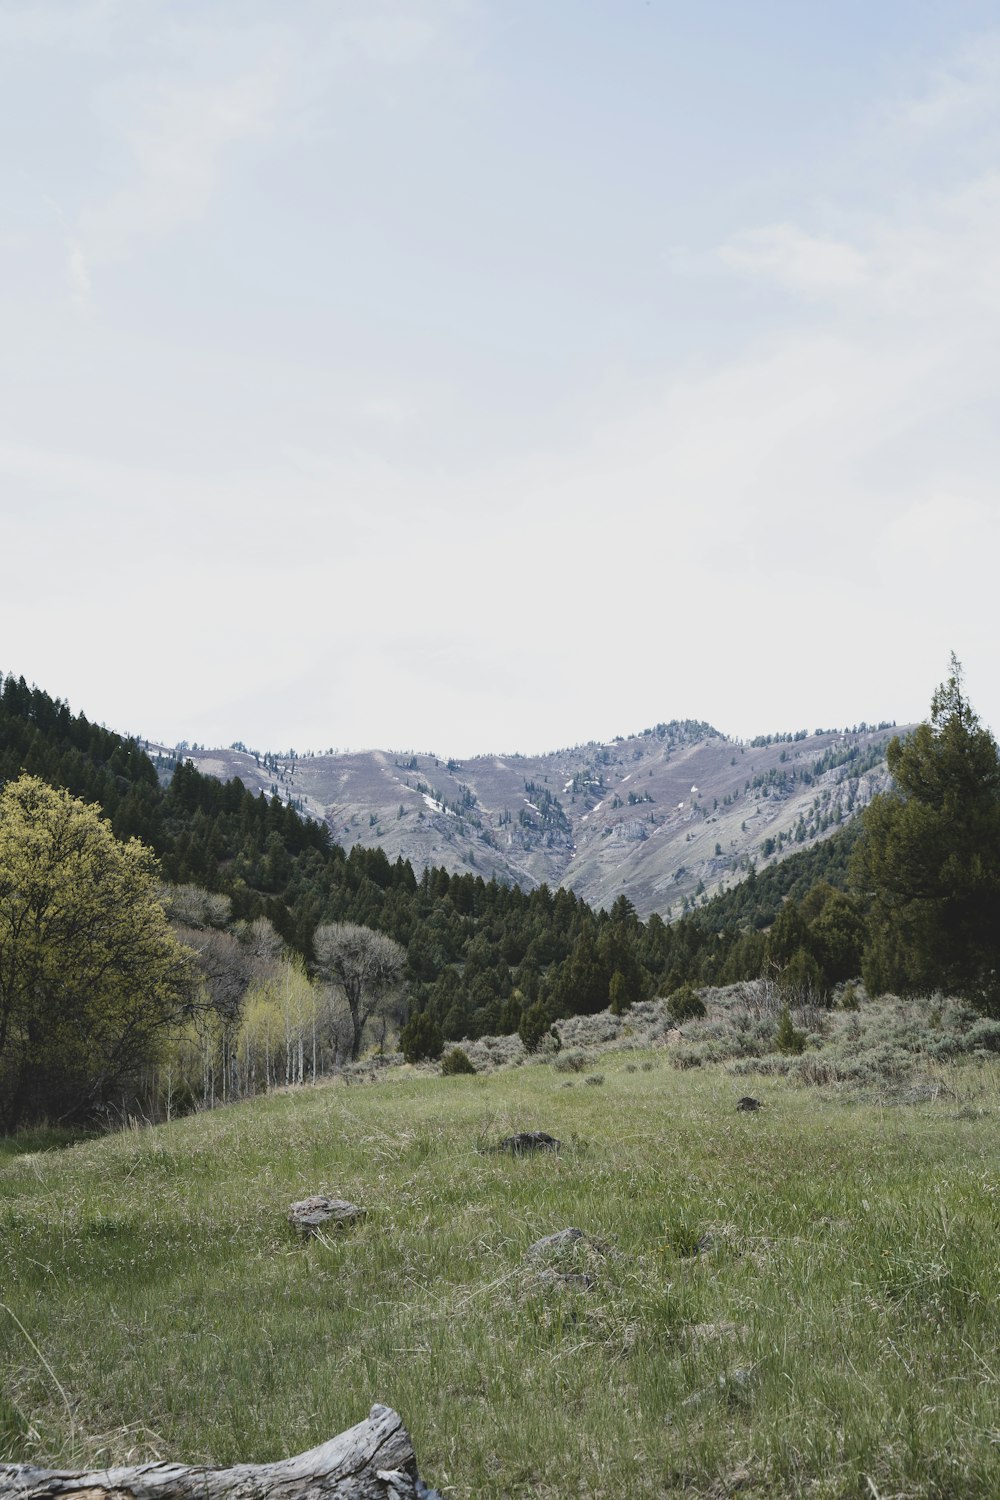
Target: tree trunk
[372, 1461]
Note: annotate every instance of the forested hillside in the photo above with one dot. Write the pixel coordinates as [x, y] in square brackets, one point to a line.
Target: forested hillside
[247, 877]
[478, 951]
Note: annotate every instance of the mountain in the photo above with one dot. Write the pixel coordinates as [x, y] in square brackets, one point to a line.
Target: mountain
[668, 817]
[482, 954]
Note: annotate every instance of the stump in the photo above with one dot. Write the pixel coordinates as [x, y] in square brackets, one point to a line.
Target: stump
[372, 1461]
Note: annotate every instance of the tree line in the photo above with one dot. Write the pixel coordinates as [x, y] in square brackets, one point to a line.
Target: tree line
[264, 900]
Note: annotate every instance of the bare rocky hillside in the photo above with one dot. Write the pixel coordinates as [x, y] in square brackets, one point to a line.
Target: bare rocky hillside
[667, 817]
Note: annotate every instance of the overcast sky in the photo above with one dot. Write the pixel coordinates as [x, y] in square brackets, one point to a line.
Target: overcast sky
[480, 375]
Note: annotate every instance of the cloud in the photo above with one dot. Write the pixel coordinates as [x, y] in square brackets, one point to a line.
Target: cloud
[921, 263]
[83, 25]
[79, 274]
[222, 86]
[178, 145]
[748, 536]
[959, 95]
[793, 258]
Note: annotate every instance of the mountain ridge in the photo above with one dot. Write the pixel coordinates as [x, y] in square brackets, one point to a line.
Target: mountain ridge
[667, 817]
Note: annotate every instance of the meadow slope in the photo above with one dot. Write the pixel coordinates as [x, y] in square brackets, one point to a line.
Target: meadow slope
[796, 1302]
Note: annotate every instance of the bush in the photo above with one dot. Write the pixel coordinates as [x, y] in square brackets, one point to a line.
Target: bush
[801, 981]
[619, 993]
[572, 1061]
[686, 1004]
[534, 1027]
[511, 1012]
[984, 1035]
[849, 998]
[787, 1039]
[420, 1039]
[455, 1062]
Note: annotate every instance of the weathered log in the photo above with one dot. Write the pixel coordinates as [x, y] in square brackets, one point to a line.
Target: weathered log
[372, 1461]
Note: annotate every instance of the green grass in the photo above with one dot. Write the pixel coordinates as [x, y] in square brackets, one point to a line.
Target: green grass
[839, 1323]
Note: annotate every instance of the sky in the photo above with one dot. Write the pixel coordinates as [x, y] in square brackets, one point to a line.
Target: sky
[495, 375]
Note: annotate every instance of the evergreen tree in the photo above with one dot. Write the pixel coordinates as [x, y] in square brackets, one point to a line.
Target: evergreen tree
[420, 1039]
[929, 859]
[618, 993]
[534, 1027]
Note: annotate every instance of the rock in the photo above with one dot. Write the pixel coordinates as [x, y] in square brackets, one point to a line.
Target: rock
[574, 1258]
[704, 1332]
[578, 1279]
[316, 1213]
[737, 1480]
[557, 1241]
[528, 1140]
[734, 1385]
[748, 1103]
[737, 1384]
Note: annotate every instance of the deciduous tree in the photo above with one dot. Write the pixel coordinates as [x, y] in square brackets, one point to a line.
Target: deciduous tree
[91, 974]
[367, 965]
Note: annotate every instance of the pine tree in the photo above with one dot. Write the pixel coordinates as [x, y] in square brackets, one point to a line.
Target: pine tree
[929, 859]
[420, 1039]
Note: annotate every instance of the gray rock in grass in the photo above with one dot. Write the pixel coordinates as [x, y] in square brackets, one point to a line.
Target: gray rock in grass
[528, 1140]
[557, 1241]
[310, 1215]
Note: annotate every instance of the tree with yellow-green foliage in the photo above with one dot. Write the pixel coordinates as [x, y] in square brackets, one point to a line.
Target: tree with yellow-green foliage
[91, 975]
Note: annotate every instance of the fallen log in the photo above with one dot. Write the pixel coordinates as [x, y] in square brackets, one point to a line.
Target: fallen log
[372, 1461]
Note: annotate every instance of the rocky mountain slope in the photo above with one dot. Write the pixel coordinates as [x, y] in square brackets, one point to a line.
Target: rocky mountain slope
[668, 817]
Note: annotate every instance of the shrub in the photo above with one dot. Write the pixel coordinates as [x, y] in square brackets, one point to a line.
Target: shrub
[801, 982]
[420, 1039]
[534, 1027]
[455, 1062]
[849, 999]
[683, 1239]
[596, 1079]
[985, 1034]
[574, 1060]
[686, 1004]
[511, 1012]
[786, 1038]
[619, 993]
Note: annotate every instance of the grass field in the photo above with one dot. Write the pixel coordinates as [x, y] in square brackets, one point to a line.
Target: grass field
[836, 1333]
